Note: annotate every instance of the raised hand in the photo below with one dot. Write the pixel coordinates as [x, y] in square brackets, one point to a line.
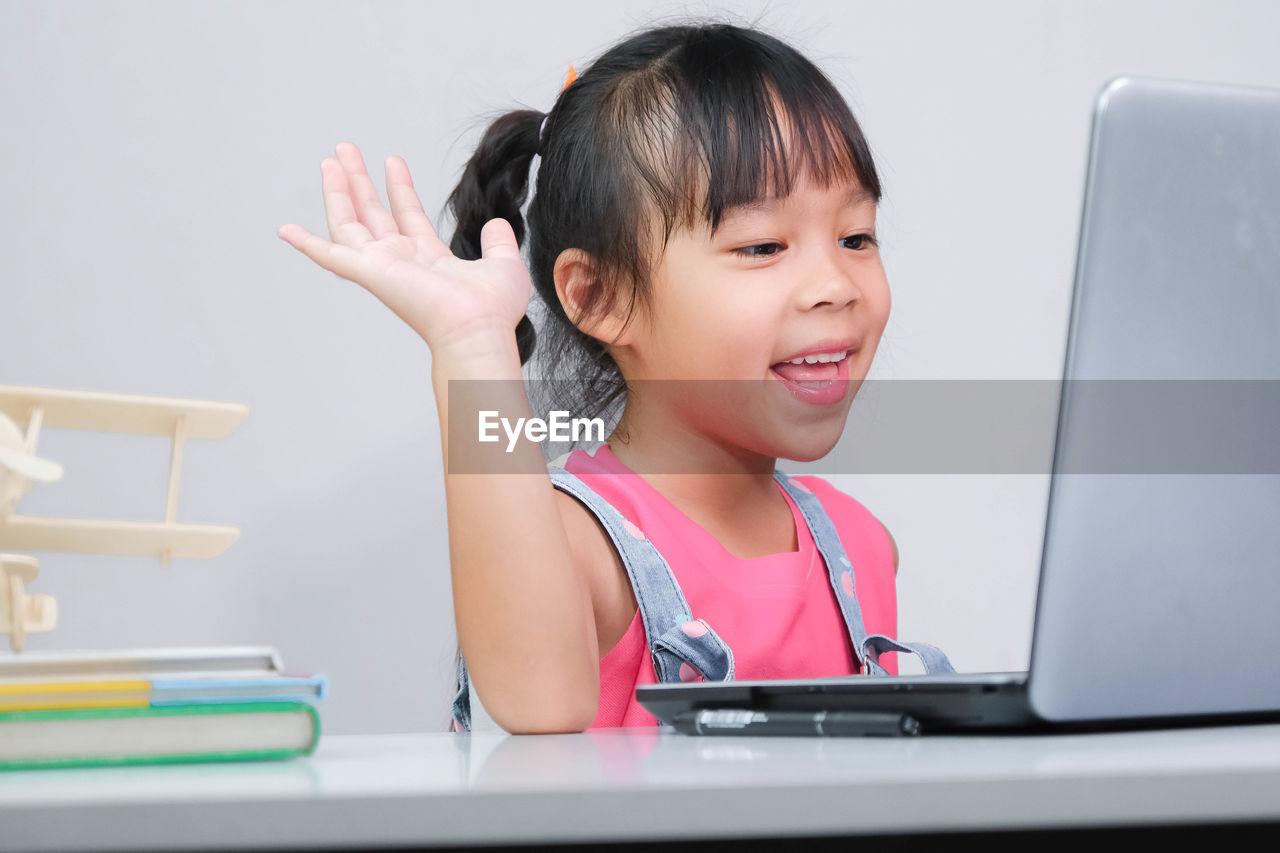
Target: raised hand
[397, 256]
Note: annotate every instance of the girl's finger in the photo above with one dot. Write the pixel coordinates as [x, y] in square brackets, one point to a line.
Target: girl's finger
[336, 258]
[407, 208]
[367, 203]
[344, 225]
[498, 240]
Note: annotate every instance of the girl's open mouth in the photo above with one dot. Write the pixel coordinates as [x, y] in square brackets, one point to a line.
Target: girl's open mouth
[821, 382]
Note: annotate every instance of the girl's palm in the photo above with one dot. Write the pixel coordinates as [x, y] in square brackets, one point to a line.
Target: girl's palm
[398, 257]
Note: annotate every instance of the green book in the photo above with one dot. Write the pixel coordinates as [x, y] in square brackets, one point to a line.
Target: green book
[169, 734]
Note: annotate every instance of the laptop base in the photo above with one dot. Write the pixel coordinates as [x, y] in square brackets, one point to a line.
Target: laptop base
[978, 703]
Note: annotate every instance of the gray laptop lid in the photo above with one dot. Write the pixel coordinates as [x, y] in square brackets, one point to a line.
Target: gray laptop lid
[1160, 582]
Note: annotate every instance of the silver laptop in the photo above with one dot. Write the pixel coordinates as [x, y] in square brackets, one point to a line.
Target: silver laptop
[1159, 594]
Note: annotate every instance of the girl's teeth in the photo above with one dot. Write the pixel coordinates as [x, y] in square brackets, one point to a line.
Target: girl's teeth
[821, 357]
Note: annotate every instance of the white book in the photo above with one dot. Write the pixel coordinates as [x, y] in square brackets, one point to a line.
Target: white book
[109, 664]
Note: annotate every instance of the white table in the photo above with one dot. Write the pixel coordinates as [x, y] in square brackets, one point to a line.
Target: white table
[643, 784]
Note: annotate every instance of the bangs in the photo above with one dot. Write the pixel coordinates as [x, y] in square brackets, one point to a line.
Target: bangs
[728, 124]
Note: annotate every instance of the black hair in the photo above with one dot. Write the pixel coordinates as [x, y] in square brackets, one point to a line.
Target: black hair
[668, 125]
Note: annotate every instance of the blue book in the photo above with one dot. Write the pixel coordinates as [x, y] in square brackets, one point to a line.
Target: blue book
[280, 688]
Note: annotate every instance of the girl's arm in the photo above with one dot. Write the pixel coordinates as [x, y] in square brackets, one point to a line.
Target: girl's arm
[523, 606]
[526, 622]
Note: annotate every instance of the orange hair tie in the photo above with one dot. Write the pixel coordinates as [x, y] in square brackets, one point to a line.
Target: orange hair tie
[572, 75]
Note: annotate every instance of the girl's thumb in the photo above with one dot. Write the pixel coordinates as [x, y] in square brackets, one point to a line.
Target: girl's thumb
[498, 240]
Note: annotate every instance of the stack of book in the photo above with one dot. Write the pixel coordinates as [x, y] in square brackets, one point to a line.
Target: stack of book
[154, 706]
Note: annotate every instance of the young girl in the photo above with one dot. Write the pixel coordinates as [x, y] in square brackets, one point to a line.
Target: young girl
[702, 233]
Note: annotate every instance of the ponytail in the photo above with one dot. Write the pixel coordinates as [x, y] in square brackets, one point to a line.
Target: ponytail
[494, 185]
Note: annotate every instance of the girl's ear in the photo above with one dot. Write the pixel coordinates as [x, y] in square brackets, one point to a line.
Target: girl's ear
[575, 278]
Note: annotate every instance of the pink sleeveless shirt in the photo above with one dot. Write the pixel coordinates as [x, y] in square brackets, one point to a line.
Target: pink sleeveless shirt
[778, 613]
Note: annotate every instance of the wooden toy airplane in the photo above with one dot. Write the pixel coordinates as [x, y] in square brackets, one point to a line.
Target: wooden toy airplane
[19, 467]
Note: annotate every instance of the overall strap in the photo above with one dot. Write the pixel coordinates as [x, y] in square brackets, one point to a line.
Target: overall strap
[683, 648]
[867, 649]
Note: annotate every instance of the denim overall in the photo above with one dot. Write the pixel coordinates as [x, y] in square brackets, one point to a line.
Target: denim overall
[676, 639]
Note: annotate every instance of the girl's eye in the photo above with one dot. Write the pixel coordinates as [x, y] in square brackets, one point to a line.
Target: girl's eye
[771, 249]
[746, 251]
[865, 239]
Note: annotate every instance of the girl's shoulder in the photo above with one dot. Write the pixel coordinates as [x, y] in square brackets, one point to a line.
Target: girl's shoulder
[858, 526]
[602, 473]
[852, 518]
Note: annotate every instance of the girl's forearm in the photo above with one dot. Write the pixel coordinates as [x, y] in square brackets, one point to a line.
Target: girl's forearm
[526, 624]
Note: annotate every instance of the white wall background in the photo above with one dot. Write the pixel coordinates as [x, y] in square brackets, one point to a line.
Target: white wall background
[151, 150]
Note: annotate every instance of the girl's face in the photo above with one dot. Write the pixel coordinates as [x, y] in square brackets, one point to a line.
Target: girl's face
[778, 281]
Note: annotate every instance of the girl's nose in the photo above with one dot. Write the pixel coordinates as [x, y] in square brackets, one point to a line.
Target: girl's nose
[828, 284]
